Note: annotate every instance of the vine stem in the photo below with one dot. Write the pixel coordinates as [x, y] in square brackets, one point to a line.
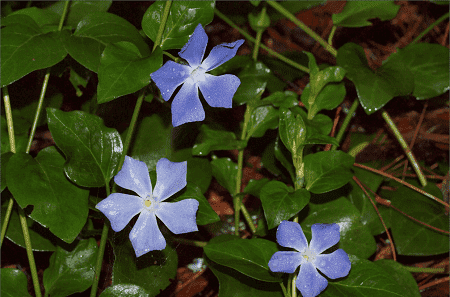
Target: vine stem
[137, 108]
[258, 36]
[344, 126]
[437, 22]
[425, 269]
[251, 39]
[302, 26]
[406, 149]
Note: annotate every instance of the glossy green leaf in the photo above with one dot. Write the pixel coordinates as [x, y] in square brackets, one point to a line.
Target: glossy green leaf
[152, 271]
[225, 171]
[85, 50]
[281, 202]
[205, 213]
[259, 21]
[406, 232]
[25, 49]
[284, 156]
[232, 65]
[383, 278]
[254, 78]
[262, 119]
[268, 160]
[92, 150]
[184, 16]
[39, 236]
[285, 99]
[428, 64]
[292, 130]
[355, 239]
[254, 186]
[42, 17]
[248, 256]
[328, 170]
[377, 87]
[4, 162]
[356, 13]
[233, 283]
[71, 271]
[123, 71]
[330, 97]
[199, 172]
[319, 125]
[78, 10]
[58, 204]
[124, 290]
[211, 139]
[14, 283]
[285, 71]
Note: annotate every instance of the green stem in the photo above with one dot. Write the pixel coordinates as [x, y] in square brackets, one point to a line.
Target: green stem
[424, 269]
[175, 59]
[302, 26]
[26, 236]
[283, 288]
[347, 119]
[248, 218]
[258, 36]
[251, 39]
[330, 38]
[406, 149]
[162, 25]
[437, 22]
[190, 242]
[63, 16]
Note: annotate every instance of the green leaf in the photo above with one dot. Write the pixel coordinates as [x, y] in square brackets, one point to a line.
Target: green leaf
[329, 97]
[254, 77]
[199, 172]
[328, 170]
[233, 283]
[92, 150]
[24, 49]
[42, 17]
[262, 119]
[225, 171]
[58, 204]
[78, 10]
[375, 88]
[285, 71]
[356, 13]
[14, 283]
[151, 271]
[292, 130]
[205, 214]
[285, 157]
[85, 50]
[254, 186]
[428, 64]
[377, 279]
[123, 71]
[124, 290]
[293, 7]
[211, 139]
[4, 162]
[356, 238]
[248, 256]
[408, 232]
[259, 22]
[71, 271]
[281, 202]
[285, 99]
[184, 16]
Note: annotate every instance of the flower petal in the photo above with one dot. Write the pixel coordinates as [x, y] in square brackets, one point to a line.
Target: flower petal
[334, 265]
[285, 262]
[290, 234]
[219, 90]
[309, 282]
[134, 176]
[120, 209]
[194, 49]
[169, 77]
[323, 237]
[170, 178]
[179, 217]
[186, 107]
[145, 235]
[221, 53]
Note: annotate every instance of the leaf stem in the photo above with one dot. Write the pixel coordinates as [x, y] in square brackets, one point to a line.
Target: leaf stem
[190, 242]
[63, 16]
[251, 39]
[406, 149]
[330, 37]
[258, 36]
[162, 25]
[347, 119]
[425, 269]
[302, 26]
[437, 22]
[283, 288]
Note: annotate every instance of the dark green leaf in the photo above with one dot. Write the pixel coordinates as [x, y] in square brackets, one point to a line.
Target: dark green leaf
[232, 65]
[184, 16]
[42, 17]
[151, 271]
[24, 50]
[375, 88]
[281, 202]
[254, 78]
[78, 9]
[285, 71]
[320, 124]
[255, 2]
[123, 71]
[292, 130]
[71, 271]
[262, 119]
[285, 157]
[4, 162]
[355, 237]
[328, 170]
[329, 98]
[259, 22]
[285, 99]
[356, 13]
[124, 290]
[248, 256]
[92, 150]
[58, 204]
[254, 186]
[225, 171]
[205, 214]
[199, 172]
[85, 50]
[211, 139]
[268, 160]
[14, 283]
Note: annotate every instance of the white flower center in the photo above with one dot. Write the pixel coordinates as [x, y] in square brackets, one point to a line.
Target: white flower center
[309, 255]
[198, 74]
[150, 204]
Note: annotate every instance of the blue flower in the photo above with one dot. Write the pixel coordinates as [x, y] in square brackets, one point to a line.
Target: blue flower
[218, 91]
[309, 282]
[120, 208]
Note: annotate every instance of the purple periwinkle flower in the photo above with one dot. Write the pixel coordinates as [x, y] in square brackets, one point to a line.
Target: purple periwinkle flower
[309, 282]
[218, 91]
[120, 208]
